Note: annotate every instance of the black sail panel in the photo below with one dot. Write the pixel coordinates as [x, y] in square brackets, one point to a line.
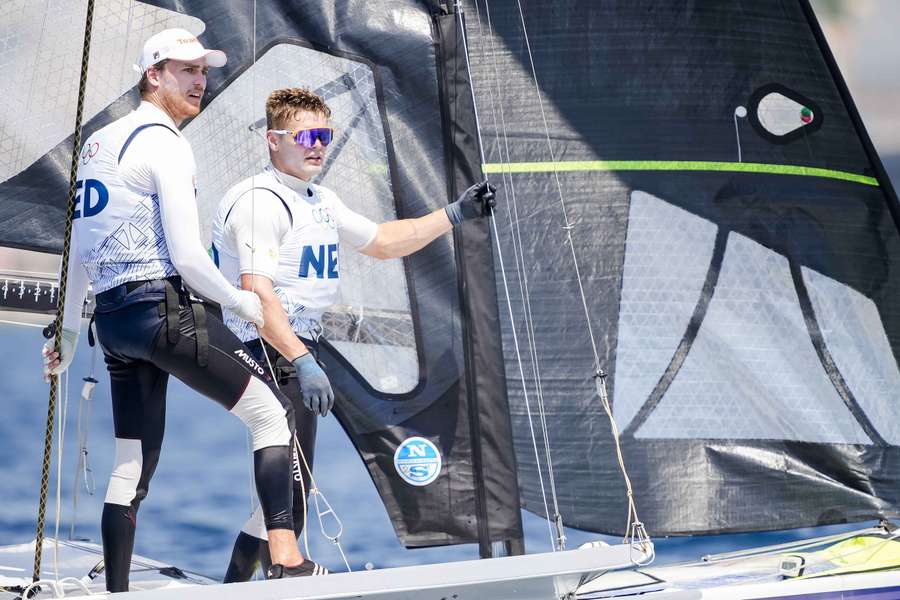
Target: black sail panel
[395, 346]
[735, 236]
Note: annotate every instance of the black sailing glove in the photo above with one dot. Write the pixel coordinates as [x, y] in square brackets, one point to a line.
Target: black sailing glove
[317, 394]
[477, 201]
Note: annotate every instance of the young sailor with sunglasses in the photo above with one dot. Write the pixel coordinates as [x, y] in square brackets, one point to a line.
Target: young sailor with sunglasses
[136, 239]
[277, 233]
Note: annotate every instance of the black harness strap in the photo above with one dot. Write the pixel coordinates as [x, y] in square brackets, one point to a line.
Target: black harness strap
[198, 311]
[172, 310]
[91, 341]
[273, 192]
[137, 131]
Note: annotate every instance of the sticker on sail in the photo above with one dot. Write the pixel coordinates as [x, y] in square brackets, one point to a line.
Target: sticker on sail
[417, 461]
[782, 115]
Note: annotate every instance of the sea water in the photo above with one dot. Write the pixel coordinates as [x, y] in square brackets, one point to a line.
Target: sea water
[202, 490]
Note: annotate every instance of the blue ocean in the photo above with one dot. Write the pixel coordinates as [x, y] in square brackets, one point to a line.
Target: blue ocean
[201, 493]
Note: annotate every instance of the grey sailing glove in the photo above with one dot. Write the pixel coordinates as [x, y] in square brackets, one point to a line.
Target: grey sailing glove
[317, 394]
[477, 201]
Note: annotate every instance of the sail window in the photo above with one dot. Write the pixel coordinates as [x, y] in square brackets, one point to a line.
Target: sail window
[746, 372]
[782, 115]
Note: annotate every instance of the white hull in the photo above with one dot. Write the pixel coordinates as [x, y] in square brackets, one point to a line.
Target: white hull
[583, 574]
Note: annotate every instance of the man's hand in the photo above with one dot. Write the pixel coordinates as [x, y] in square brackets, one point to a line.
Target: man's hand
[317, 394]
[477, 201]
[54, 364]
[248, 307]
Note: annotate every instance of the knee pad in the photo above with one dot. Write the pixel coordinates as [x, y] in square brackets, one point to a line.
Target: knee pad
[256, 525]
[126, 473]
[263, 415]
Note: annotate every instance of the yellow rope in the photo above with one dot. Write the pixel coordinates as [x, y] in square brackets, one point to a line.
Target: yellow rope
[63, 277]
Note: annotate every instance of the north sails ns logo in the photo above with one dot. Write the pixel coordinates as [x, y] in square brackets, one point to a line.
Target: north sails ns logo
[251, 362]
[417, 461]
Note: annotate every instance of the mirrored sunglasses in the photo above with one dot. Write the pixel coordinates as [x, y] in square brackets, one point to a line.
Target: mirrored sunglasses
[307, 137]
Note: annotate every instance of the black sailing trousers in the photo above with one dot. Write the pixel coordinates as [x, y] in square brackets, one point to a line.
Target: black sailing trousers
[250, 549]
[134, 326]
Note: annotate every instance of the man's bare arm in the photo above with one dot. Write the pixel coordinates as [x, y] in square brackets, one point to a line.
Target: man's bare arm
[277, 330]
[396, 239]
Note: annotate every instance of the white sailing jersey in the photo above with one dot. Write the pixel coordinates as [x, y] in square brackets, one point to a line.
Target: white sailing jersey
[117, 214]
[289, 231]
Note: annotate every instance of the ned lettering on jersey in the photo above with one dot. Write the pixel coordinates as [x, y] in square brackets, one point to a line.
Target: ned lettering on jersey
[136, 240]
[278, 233]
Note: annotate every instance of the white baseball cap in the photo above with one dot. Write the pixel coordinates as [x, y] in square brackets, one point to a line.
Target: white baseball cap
[178, 44]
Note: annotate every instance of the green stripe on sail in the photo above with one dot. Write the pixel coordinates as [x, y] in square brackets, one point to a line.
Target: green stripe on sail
[674, 165]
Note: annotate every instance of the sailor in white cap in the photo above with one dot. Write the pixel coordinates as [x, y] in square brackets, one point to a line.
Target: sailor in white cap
[136, 239]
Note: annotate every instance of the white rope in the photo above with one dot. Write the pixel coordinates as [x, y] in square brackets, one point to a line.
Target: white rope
[253, 236]
[505, 281]
[57, 587]
[316, 493]
[635, 532]
[642, 552]
[519, 253]
[297, 448]
[61, 414]
[83, 470]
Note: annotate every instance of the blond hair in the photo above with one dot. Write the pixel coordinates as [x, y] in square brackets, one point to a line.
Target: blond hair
[284, 104]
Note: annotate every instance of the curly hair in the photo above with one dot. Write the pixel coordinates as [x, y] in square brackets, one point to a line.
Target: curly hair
[283, 105]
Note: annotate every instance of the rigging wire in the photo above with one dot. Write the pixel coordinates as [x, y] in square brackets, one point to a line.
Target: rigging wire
[62, 411]
[83, 471]
[63, 281]
[568, 227]
[316, 493]
[496, 236]
[519, 254]
[635, 534]
[297, 450]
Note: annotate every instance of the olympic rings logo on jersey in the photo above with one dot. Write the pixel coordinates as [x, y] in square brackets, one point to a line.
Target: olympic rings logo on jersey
[89, 152]
[322, 216]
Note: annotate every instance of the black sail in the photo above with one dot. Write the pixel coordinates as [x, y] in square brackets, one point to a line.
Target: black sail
[405, 365]
[733, 229]
[737, 241]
